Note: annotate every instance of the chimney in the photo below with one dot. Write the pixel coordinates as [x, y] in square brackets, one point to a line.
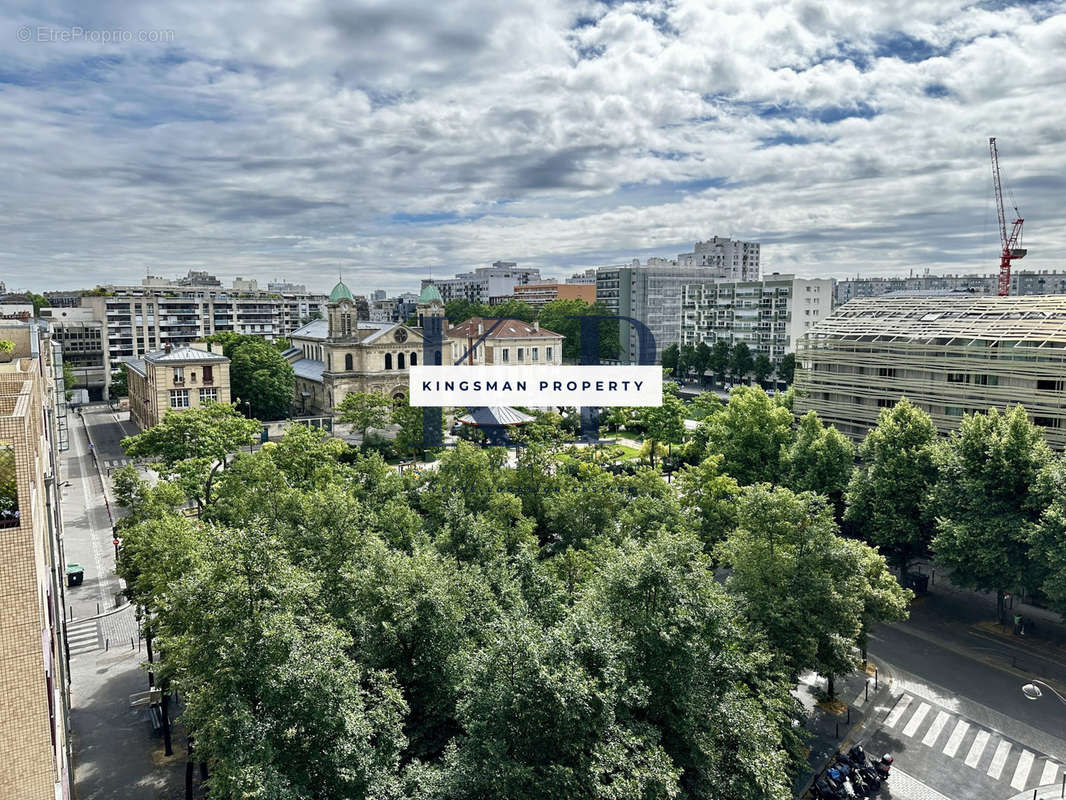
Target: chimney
[536, 325]
[166, 348]
[480, 328]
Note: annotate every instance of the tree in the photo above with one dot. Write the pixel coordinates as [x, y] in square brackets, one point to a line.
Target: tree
[821, 460]
[686, 361]
[193, 446]
[39, 301]
[786, 368]
[460, 310]
[720, 708]
[712, 496]
[563, 317]
[364, 410]
[119, 383]
[411, 439]
[719, 359]
[702, 361]
[741, 361]
[704, 405]
[887, 492]
[664, 423]
[752, 434]
[1048, 542]
[513, 309]
[671, 358]
[763, 368]
[985, 500]
[70, 378]
[812, 592]
[263, 378]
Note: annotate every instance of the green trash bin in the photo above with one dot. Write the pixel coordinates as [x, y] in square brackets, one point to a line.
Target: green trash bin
[75, 574]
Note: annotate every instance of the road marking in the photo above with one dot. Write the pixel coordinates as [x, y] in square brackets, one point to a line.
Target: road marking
[916, 720]
[977, 748]
[995, 769]
[1021, 772]
[1050, 774]
[83, 638]
[934, 730]
[957, 735]
[897, 712]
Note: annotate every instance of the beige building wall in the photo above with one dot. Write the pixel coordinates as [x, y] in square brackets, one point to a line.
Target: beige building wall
[163, 386]
[33, 681]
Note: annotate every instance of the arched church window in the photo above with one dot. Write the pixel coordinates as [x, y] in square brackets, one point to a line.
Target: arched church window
[399, 361]
[348, 362]
[414, 359]
[388, 361]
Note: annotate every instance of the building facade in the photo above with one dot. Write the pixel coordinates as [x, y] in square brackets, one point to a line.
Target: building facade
[143, 319]
[484, 283]
[769, 315]
[480, 341]
[733, 259]
[539, 295]
[1022, 282]
[176, 378]
[342, 354]
[34, 687]
[948, 355]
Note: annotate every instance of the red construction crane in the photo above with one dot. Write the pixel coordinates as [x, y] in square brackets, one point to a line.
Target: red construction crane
[1009, 242]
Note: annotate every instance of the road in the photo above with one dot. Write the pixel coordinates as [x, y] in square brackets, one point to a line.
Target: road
[957, 721]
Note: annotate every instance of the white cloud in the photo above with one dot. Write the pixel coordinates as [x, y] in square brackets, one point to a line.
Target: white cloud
[388, 139]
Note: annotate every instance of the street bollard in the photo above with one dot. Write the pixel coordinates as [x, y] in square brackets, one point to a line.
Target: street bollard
[107, 645]
[867, 689]
[838, 731]
[97, 608]
[131, 643]
[849, 715]
[1063, 793]
[933, 578]
[875, 679]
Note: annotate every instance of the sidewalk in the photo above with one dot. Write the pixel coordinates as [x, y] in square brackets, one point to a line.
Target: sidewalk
[116, 752]
[836, 728]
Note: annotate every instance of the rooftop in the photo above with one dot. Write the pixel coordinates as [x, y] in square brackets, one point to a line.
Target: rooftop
[184, 355]
[507, 329]
[430, 294]
[1036, 319]
[340, 292]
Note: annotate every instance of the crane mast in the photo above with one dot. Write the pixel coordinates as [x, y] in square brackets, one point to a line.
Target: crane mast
[1008, 240]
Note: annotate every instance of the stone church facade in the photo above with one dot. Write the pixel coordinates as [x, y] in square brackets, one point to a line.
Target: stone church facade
[341, 354]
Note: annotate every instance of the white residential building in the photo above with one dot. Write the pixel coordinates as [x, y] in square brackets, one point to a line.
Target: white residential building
[484, 283]
[770, 315]
[736, 260]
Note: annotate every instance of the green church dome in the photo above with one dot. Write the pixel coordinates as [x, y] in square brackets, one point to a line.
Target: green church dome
[429, 294]
[340, 292]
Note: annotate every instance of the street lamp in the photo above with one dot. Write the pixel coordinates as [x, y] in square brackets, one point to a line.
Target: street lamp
[1032, 691]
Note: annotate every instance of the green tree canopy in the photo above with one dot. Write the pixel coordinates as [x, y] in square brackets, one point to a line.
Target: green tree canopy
[365, 410]
[752, 434]
[985, 500]
[262, 377]
[786, 368]
[558, 316]
[763, 368]
[821, 460]
[719, 359]
[887, 492]
[671, 358]
[193, 446]
[664, 423]
[741, 361]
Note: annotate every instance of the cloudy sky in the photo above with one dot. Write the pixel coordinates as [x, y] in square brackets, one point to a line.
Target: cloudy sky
[388, 140]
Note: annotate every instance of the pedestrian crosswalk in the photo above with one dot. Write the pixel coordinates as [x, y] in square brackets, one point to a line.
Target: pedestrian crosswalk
[999, 758]
[116, 463]
[83, 637]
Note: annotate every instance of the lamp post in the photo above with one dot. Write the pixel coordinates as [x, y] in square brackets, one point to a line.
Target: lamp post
[1032, 691]
[247, 405]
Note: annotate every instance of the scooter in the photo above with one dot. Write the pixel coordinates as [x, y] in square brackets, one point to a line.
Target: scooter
[838, 778]
[826, 792]
[862, 777]
[882, 767]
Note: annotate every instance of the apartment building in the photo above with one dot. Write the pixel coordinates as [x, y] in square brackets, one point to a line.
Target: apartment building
[586, 278]
[34, 685]
[948, 354]
[735, 259]
[539, 295]
[136, 320]
[769, 315]
[176, 378]
[1022, 282]
[484, 283]
[509, 343]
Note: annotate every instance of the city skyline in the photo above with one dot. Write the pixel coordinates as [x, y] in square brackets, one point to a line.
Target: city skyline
[392, 140]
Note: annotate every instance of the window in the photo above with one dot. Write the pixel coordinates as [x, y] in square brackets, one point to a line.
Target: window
[208, 396]
[388, 361]
[399, 361]
[179, 376]
[958, 377]
[885, 402]
[952, 411]
[1044, 385]
[986, 380]
[1048, 422]
[521, 354]
[886, 372]
[179, 398]
[536, 353]
[547, 354]
[506, 355]
[414, 359]
[348, 362]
